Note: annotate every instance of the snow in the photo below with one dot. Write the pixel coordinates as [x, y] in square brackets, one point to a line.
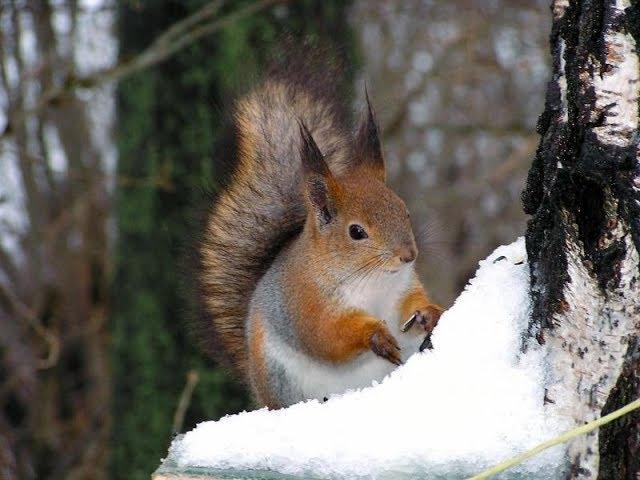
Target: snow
[468, 404]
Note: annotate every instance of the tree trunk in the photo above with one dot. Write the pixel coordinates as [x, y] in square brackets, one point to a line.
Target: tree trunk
[583, 239]
[55, 381]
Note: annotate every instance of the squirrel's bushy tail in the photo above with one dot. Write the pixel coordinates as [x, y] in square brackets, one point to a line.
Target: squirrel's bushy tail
[260, 206]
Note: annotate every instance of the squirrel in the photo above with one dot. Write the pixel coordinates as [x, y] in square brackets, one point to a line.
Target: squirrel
[306, 262]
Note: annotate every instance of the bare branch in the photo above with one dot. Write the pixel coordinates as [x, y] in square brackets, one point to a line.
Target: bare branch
[26, 313]
[183, 26]
[35, 202]
[185, 400]
[174, 39]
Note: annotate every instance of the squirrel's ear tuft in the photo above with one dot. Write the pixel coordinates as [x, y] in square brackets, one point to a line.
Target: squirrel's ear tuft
[368, 147]
[310, 155]
[319, 182]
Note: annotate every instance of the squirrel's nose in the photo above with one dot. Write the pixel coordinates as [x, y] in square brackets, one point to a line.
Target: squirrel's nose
[408, 254]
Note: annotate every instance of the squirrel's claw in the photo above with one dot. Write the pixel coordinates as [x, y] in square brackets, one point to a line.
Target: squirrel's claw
[427, 318]
[409, 323]
[426, 343]
[384, 345]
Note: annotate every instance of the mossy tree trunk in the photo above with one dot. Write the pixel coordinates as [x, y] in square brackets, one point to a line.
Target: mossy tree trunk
[583, 239]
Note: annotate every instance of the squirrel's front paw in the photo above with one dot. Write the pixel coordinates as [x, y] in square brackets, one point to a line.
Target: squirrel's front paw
[383, 344]
[427, 317]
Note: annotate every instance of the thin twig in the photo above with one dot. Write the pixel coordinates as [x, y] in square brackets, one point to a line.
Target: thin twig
[31, 317]
[179, 28]
[565, 437]
[185, 400]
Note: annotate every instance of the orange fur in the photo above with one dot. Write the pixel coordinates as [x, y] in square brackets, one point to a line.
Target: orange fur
[325, 330]
[416, 299]
[341, 338]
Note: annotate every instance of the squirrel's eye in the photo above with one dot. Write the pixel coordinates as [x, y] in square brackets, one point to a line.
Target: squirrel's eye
[357, 232]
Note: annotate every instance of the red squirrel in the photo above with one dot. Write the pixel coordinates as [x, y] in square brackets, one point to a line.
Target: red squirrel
[307, 258]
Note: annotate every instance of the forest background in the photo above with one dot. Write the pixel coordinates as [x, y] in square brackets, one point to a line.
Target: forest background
[101, 179]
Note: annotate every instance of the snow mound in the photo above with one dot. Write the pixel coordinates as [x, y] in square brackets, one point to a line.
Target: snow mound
[469, 403]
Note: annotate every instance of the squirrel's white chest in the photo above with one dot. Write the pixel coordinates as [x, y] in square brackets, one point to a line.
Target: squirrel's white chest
[380, 295]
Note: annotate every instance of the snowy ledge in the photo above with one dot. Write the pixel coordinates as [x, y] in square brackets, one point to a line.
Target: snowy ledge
[451, 412]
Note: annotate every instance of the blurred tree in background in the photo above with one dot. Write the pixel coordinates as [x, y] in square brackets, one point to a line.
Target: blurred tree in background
[458, 87]
[57, 166]
[170, 119]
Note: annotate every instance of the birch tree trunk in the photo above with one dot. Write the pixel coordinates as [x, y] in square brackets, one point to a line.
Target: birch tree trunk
[583, 192]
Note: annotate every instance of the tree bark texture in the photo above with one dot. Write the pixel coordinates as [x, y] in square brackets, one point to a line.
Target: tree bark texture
[583, 238]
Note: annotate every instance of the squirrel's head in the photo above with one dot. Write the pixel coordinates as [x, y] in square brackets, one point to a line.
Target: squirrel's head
[358, 224]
